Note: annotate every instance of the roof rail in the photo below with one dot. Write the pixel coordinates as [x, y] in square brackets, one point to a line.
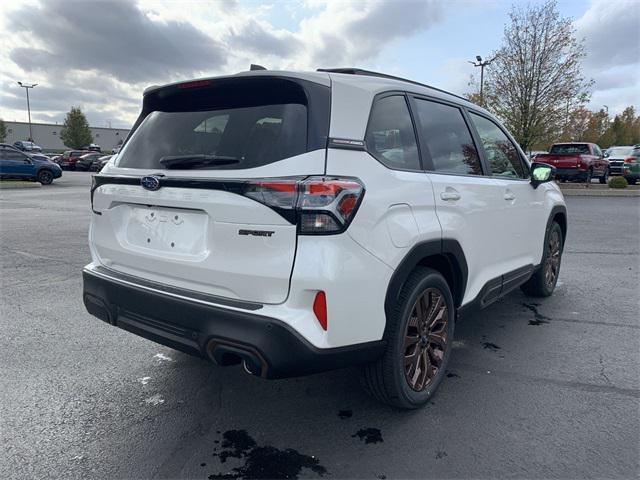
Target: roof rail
[368, 73]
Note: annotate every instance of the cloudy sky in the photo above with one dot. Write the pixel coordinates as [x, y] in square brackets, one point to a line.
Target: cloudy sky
[100, 55]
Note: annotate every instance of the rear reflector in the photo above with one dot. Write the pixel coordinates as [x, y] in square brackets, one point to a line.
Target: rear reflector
[320, 309]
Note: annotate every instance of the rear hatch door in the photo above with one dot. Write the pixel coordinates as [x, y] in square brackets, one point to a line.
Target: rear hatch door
[201, 195]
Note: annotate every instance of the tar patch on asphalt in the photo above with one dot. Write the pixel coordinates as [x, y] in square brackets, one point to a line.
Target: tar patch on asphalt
[452, 375]
[369, 435]
[261, 461]
[490, 346]
[345, 414]
[539, 319]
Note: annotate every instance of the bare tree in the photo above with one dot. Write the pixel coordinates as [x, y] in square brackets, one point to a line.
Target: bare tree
[536, 81]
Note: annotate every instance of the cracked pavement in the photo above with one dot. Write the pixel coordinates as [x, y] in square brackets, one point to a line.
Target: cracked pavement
[559, 397]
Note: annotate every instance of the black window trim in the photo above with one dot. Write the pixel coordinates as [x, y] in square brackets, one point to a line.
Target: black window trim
[525, 164]
[377, 98]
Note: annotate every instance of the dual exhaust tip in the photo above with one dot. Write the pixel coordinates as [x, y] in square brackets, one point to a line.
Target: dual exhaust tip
[224, 353]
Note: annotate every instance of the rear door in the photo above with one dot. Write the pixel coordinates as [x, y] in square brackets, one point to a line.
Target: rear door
[466, 199]
[225, 156]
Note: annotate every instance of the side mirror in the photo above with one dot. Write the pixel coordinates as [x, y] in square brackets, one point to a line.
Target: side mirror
[605, 154]
[541, 173]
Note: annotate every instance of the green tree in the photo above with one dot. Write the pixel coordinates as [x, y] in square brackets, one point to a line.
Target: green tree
[75, 133]
[597, 127]
[3, 130]
[535, 80]
[623, 130]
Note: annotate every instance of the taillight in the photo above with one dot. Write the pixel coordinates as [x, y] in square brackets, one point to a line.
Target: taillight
[319, 205]
[327, 205]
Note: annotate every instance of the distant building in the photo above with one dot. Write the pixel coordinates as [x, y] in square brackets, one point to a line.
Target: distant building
[47, 135]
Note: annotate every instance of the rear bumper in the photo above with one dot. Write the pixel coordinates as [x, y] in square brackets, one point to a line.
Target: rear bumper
[269, 347]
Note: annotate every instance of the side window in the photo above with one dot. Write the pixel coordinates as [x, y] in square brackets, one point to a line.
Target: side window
[502, 155]
[390, 135]
[14, 155]
[447, 139]
[597, 151]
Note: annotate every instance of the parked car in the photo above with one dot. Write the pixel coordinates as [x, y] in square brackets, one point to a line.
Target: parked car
[70, 157]
[26, 146]
[616, 157]
[631, 166]
[17, 164]
[92, 147]
[56, 159]
[116, 149]
[275, 224]
[85, 162]
[99, 163]
[577, 161]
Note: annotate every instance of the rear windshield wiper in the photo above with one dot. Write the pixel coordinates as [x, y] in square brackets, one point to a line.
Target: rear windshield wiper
[196, 160]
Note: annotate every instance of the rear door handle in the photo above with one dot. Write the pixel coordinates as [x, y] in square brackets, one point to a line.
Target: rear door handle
[448, 195]
[509, 195]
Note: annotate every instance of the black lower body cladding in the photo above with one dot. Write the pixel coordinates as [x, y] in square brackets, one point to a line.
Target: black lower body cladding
[269, 347]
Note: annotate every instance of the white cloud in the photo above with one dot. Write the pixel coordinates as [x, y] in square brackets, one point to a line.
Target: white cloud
[101, 57]
[611, 30]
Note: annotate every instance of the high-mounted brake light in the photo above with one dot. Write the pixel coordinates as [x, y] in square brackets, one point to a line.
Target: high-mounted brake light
[319, 205]
[194, 84]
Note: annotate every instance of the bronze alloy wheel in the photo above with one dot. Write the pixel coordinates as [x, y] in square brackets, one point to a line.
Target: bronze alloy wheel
[426, 339]
[552, 263]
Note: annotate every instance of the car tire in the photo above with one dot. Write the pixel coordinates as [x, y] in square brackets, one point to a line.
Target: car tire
[45, 177]
[543, 282]
[604, 178]
[419, 334]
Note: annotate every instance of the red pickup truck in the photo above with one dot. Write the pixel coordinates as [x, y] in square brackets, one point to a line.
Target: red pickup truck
[577, 161]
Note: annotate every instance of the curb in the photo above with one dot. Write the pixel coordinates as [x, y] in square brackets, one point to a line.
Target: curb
[18, 185]
[575, 192]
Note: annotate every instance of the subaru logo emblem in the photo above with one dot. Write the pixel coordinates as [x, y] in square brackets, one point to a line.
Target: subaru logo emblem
[150, 183]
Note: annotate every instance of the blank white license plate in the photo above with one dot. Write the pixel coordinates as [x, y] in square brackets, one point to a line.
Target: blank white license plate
[167, 230]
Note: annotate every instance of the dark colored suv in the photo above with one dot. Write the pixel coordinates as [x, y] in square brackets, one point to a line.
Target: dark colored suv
[16, 164]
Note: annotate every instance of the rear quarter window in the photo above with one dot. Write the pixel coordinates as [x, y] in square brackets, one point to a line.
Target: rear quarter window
[390, 135]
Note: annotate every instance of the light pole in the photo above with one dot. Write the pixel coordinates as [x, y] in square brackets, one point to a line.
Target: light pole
[481, 64]
[27, 87]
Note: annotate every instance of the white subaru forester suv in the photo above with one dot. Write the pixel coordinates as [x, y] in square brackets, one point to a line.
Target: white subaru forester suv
[301, 222]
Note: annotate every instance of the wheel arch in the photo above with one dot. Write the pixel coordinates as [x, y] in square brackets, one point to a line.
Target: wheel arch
[559, 215]
[445, 256]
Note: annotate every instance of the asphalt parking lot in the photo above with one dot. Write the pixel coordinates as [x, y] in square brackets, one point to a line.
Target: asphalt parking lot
[536, 389]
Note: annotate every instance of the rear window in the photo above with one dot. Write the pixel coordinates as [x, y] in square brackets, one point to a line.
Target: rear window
[246, 123]
[570, 149]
